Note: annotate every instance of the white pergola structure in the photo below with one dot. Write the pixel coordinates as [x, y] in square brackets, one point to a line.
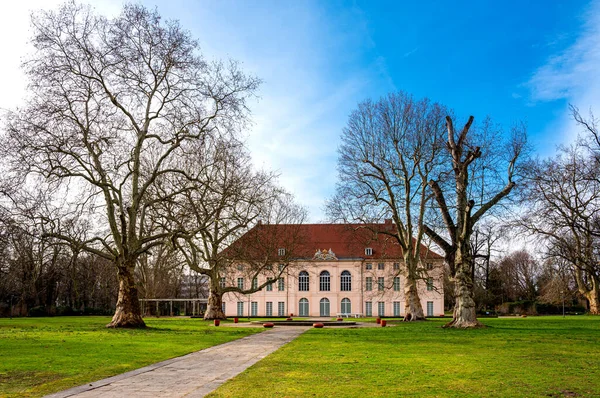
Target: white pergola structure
[195, 304]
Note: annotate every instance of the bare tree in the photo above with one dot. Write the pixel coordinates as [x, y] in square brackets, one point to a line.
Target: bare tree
[232, 220]
[389, 150]
[564, 209]
[114, 103]
[519, 272]
[456, 192]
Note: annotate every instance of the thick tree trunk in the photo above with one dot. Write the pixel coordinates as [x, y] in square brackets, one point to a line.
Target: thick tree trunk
[214, 310]
[465, 314]
[127, 314]
[412, 303]
[593, 297]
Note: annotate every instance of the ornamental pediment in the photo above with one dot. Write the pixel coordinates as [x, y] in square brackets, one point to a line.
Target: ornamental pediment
[324, 255]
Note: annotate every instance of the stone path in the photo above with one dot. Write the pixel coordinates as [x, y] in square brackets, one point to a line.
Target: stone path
[192, 375]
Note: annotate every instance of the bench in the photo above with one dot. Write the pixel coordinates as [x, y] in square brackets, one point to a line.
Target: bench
[349, 315]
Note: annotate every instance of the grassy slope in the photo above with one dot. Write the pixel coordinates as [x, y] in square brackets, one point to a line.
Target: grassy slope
[545, 356]
[44, 355]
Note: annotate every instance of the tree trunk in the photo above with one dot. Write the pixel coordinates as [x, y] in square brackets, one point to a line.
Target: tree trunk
[465, 315]
[214, 310]
[591, 294]
[593, 297]
[127, 313]
[412, 304]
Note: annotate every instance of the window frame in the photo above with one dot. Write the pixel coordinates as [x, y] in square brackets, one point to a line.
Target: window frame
[396, 283]
[380, 284]
[324, 281]
[303, 281]
[346, 281]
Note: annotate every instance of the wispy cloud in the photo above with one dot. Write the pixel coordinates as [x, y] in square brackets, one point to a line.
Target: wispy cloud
[411, 52]
[310, 62]
[572, 74]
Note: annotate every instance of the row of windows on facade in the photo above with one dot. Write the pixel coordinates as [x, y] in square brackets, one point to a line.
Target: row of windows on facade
[325, 283]
[324, 308]
[368, 266]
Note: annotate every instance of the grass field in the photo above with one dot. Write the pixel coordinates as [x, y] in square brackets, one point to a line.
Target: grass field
[513, 357]
[43, 355]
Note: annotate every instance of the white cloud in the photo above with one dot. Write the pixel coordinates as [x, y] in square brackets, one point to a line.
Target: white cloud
[572, 74]
[309, 62]
[15, 32]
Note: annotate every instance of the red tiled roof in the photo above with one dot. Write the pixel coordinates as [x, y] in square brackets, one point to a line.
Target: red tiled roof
[344, 240]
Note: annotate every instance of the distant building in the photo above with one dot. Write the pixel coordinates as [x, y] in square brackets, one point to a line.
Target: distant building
[340, 269]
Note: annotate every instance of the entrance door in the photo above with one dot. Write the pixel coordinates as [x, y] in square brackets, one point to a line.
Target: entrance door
[303, 307]
[324, 307]
[430, 308]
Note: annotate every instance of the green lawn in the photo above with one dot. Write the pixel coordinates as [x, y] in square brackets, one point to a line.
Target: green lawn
[43, 355]
[513, 357]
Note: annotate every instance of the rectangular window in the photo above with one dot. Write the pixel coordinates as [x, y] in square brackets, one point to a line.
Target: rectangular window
[222, 283]
[397, 284]
[281, 285]
[369, 266]
[381, 308]
[240, 267]
[254, 283]
[368, 308]
[240, 283]
[240, 308]
[368, 251]
[270, 285]
[429, 284]
[281, 308]
[429, 266]
[396, 308]
[253, 308]
[223, 308]
[281, 251]
[269, 311]
[380, 283]
[430, 308]
[281, 267]
[269, 267]
[381, 266]
[369, 284]
[396, 266]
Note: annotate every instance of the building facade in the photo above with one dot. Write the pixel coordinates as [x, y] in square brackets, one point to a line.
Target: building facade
[347, 273]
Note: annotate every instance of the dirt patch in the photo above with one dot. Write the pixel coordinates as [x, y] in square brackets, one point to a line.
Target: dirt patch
[19, 381]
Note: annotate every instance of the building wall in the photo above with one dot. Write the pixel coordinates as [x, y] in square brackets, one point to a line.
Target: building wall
[358, 295]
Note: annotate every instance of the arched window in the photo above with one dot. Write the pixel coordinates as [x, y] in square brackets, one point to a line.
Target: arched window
[346, 282]
[346, 306]
[324, 281]
[303, 281]
[303, 307]
[324, 307]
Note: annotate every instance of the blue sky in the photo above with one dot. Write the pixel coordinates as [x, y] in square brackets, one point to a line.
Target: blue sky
[512, 60]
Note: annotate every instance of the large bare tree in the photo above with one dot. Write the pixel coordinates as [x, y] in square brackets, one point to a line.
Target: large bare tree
[462, 201]
[113, 105]
[237, 218]
[564, 209]
[389, 150]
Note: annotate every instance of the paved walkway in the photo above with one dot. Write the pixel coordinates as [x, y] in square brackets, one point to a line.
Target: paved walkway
[192, 375]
